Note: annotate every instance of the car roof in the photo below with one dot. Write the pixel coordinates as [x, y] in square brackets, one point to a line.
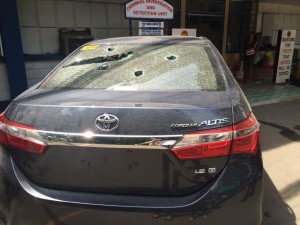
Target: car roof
[151, 39]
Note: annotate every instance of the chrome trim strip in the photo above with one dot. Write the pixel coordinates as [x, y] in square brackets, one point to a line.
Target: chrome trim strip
[111, 135]
[90, 139]
[93, 145]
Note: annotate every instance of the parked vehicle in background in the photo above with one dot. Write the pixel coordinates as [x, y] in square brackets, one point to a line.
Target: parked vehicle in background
[150, 130]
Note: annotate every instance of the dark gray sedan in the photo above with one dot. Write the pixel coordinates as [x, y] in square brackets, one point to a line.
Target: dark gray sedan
[131, 131]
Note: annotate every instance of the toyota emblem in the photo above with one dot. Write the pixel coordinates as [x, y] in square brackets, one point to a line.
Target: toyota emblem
[107, 122]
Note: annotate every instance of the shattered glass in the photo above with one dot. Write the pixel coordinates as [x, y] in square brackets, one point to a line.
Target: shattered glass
[185, 66]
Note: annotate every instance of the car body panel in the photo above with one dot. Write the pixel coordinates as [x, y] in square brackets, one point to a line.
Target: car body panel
[132, 167]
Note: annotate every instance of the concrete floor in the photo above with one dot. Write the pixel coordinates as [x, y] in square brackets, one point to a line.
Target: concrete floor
[259, 93]
[280, 142]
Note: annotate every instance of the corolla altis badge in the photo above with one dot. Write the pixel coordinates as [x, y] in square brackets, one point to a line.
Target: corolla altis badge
[203, 123]
[107, 122]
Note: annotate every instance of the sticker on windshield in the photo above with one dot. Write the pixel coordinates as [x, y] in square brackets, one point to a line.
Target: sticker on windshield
[89, 47]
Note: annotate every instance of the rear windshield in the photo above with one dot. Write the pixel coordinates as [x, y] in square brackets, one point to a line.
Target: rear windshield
[148, 67]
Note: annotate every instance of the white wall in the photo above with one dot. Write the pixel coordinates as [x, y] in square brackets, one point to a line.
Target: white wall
[276, 17]
[40, 21]
[37, 70]
[4, 86]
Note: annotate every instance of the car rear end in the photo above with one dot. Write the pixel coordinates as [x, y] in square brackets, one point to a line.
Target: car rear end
[130, 131]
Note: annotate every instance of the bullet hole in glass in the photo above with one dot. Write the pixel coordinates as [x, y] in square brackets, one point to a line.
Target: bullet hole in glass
[171, 57]
[138, 73]
[103, 67]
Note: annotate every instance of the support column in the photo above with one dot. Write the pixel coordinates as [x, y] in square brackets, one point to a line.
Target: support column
[12, 47]
[226, 19]
[183, 14]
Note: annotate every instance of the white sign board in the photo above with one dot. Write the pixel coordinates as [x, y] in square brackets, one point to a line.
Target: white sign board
[151, 32]
[285, 58]
[149, 9]
[184, 32]
[143, 24]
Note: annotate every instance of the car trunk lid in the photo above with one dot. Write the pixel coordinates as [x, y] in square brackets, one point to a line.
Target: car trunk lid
[136, 157]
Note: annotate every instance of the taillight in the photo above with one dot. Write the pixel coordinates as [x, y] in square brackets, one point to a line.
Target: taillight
[204, 144]
[20, 136]
[245, 136]
[241, 138]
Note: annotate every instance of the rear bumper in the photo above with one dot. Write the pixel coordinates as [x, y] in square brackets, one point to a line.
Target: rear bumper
[233, 198]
